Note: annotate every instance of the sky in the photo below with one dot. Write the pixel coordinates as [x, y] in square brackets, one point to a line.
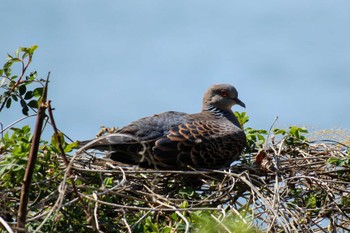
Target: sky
[113, 62]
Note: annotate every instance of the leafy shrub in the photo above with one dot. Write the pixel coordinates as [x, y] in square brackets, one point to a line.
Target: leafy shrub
[283, 182]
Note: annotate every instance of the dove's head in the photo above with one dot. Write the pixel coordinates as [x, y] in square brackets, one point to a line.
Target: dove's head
[221, 96]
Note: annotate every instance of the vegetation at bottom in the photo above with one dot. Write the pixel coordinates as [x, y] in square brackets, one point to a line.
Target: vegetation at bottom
[284, 182]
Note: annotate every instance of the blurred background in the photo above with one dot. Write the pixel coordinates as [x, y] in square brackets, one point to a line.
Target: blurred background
[112, 62]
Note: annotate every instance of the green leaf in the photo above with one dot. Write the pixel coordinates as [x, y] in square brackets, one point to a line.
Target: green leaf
[25, 54]
[33, 48]
[25, 110]
[38, 91]
[28, 51]
[71, 146]
[23, 103]
[184, 204]
[8, 103]
[108, 182]
[54, 139]
[340, 162]
[15, 59]
[22, 89]
[279, 131]
[311, 201]
[14, 97]
[28, 95]
[32, 76]
[167, 230]
[33, 104]
[242, 118]
[17, 52]
[9, 57]
[7, 71]
[3, 169]
[174, 216]
[4, 81]
[333, 160]
[26, 129]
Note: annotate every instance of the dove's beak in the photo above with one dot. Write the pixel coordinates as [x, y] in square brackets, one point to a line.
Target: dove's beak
[239, 102]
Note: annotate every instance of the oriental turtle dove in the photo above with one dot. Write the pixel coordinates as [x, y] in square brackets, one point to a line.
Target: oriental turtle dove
[212, 138]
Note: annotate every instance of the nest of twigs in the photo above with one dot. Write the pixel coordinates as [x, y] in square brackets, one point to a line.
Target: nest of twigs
[280, 189]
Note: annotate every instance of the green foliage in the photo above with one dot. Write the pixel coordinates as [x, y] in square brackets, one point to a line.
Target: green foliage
[16, 143]
[67, 147]
[242, 118]
[15, 149]
[256, 138]
[340, 162]
[15, 86]
[294, 136]
[343, 165]
[212, 222]
[187, 193]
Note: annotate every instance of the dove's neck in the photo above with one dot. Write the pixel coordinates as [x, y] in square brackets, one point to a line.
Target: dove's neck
[222, 113]
[217, 111]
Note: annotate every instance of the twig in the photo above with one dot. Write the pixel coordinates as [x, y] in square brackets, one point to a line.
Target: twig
[56, 134]
[142, 218]
[127, 225]
[2, 130]
[266, 200]
[15, 122]
[95, 212]
[4, 223]
[22, 211]
[62, 190]
[65, 160]
[221, 224]
[156, 209]
[178, 213]
[56, 207]
[269, 133]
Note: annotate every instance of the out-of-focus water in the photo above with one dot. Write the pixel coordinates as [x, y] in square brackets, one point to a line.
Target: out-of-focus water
[112, 62]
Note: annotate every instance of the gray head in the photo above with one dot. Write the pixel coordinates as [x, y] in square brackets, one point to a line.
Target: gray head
[221, 96]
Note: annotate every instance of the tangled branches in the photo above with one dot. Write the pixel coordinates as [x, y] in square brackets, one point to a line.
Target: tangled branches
[284, 185]
[287, 188]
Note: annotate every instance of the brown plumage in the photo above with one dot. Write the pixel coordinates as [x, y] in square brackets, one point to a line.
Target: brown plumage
[212, 138]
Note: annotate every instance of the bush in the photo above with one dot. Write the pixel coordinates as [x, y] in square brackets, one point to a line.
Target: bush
[282, 183]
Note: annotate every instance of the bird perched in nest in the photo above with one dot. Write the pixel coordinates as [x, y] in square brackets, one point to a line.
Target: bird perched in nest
[212, 138]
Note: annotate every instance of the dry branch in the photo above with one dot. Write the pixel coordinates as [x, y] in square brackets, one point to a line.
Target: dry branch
[27, 180]
[275, 195]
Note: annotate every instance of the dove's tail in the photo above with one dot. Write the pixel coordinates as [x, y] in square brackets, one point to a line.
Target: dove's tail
[122, 148]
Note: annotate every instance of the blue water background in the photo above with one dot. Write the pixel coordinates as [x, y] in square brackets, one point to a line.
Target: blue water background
[112, 62]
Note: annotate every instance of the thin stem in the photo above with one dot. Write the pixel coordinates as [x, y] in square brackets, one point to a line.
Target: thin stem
[22, 211]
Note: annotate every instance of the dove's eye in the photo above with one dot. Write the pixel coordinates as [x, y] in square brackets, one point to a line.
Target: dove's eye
[223, 93]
